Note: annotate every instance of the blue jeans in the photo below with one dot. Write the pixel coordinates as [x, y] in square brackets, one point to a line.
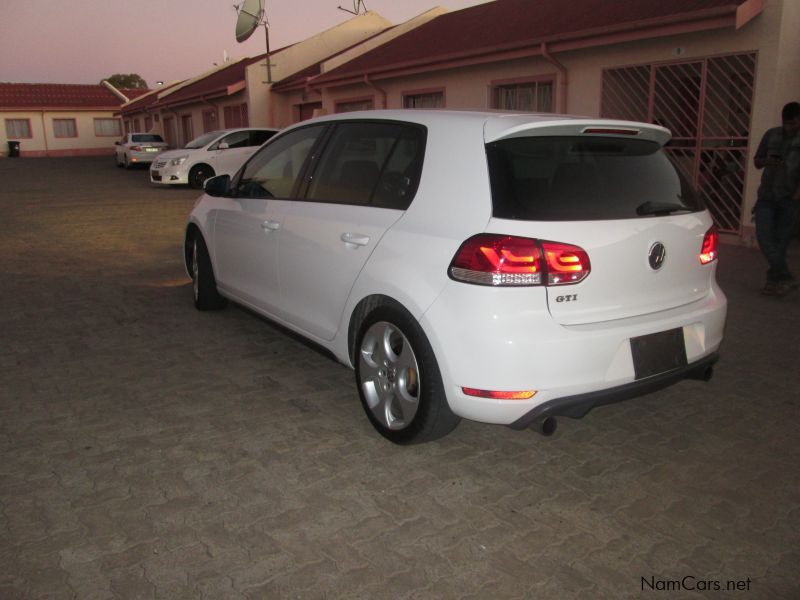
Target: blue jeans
[775, 221]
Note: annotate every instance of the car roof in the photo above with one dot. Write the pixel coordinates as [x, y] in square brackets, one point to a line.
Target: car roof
[497, 125]
[233, 129]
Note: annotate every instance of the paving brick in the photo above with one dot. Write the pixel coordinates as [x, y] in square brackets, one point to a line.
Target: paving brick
[153, 451]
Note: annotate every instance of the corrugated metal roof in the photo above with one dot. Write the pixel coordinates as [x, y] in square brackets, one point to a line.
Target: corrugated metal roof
[60, 95]
[508, 23]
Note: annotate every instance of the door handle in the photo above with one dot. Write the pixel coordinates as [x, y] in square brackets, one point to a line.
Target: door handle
[355, 239]
[268, 226]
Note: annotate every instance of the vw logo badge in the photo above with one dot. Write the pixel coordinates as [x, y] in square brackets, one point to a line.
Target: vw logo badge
[656, 256]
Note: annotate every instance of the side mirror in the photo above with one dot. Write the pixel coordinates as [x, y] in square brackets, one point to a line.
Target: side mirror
[218, 186]
[222, 146]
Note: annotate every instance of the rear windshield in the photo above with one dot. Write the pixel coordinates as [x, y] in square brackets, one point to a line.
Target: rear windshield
[579, 178]
[146, 137]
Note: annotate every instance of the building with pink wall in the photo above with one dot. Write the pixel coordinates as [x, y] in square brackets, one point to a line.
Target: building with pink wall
[50, 119]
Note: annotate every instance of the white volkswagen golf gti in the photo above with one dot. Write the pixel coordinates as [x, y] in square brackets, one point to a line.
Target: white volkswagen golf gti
[504, 268]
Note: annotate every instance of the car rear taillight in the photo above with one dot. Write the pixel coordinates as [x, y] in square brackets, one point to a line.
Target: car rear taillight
[136, 148]
[505, 260]
[708, 252]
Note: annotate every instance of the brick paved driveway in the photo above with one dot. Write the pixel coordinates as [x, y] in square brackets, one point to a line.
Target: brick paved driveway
[152, 451]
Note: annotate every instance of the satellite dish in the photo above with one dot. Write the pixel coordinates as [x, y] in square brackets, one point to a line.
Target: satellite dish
[250, 14]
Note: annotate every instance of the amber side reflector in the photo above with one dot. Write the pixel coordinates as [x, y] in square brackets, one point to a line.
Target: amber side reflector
[499, 395]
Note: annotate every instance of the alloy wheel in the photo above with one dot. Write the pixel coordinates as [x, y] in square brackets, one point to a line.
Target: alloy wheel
[389, 375]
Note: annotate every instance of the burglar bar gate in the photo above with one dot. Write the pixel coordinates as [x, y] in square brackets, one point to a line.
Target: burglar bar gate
[707, 105]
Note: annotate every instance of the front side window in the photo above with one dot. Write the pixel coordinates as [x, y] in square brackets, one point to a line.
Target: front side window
[107, 128]
[274, 171]
[65, 128]
[532, 96]
[583, 178]
[18, 128]
[203, 140]
[237, 139]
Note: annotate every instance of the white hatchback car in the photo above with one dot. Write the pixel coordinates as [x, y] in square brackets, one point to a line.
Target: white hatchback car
[504, 268]
[213, 153]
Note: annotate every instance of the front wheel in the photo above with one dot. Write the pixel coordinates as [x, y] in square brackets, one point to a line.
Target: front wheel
[204, 284]
[198, 176]
[398, 379]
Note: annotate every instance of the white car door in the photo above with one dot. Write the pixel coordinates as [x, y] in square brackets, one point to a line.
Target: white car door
[352, 199]
[247, 226]
[231, 152]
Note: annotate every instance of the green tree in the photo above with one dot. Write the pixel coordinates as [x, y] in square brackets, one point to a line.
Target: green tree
[130, 81]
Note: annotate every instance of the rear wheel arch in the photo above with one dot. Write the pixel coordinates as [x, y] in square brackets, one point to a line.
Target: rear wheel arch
[360, 312]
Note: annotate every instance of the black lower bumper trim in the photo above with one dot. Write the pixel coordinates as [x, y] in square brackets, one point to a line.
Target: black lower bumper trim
[577, 406]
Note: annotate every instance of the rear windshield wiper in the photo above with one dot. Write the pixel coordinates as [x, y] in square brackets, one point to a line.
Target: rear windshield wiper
[660, 208]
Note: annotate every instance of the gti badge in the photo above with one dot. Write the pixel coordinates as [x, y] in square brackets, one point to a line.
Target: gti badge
[656, 256]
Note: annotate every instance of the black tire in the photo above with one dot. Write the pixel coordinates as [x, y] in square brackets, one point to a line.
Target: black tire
[204, 284]
[398, 379]
[198, 175]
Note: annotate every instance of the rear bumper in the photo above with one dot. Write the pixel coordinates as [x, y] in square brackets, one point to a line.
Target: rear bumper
[579, 405]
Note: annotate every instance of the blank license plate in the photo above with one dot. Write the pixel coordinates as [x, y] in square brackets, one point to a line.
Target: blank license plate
[658, 352]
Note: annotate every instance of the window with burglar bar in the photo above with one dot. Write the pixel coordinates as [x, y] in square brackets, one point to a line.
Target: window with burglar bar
[530, 96]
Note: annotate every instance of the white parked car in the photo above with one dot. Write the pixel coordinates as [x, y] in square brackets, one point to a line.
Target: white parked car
[213, 153]
[496, 267]
[138, 149]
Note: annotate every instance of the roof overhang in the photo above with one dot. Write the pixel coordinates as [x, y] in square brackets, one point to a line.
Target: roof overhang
[725, 17]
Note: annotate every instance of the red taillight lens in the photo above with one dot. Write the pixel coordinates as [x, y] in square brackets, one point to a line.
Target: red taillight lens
[504, 260]
[565, 263]
[708, 253]
[490, 259]
[136, 148]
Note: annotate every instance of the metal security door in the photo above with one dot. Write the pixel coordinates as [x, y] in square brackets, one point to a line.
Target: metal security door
[707, 105]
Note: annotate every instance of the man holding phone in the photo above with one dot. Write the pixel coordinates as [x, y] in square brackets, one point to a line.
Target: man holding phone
[778, 201]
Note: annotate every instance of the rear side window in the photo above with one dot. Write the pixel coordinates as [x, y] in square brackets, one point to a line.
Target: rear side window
[369, 163]
[258, 137]
[583, 179]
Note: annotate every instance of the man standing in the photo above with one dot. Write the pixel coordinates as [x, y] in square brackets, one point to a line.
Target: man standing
[778, 201]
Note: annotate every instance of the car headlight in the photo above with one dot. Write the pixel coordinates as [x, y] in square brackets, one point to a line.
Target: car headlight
[178, 161]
